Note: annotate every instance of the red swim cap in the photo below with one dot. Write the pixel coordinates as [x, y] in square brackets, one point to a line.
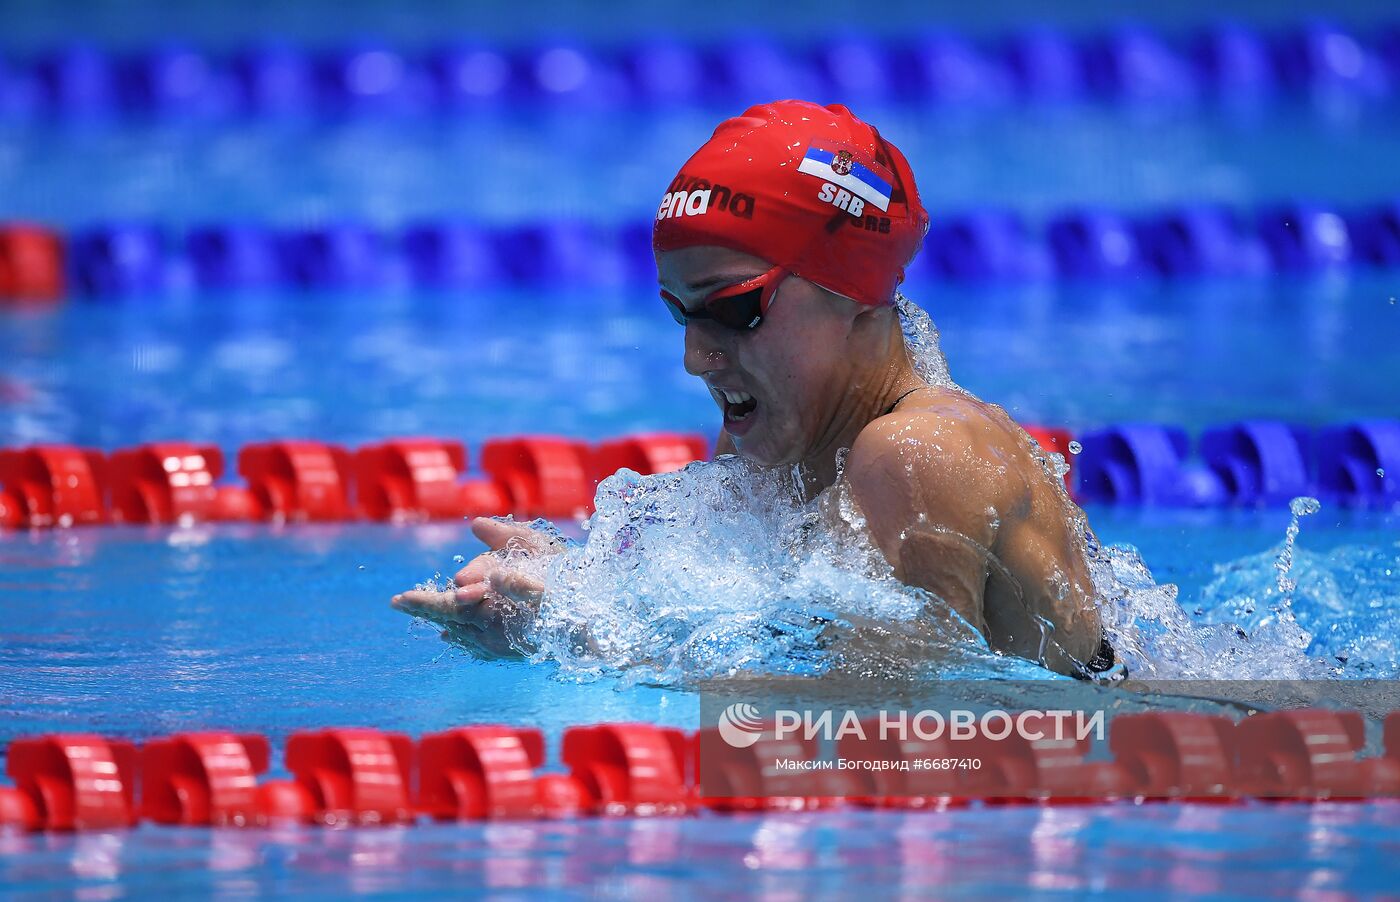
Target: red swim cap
[810, 188]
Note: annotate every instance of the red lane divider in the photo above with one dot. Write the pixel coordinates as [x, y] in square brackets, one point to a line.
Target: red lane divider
[31, 264]
[544, 477]
[1312, 753]
[51, 485]
[630, 768]
[1176, 755]
[658, 452]
[75, 781]
[403, 479]
[489, 772]
[298, 480]
[366, 777]
[899, 784]
[354, 776]
[203, 779]
[411, 479]
[1016, 768]
[743, 779]
[173, 482]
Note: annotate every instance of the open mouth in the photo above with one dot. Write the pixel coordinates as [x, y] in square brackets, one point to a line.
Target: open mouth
[738, 405]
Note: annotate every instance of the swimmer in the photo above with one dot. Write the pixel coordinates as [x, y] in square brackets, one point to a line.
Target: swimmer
[779, 248]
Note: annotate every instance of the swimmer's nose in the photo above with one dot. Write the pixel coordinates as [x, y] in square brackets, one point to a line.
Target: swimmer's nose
[703, 352]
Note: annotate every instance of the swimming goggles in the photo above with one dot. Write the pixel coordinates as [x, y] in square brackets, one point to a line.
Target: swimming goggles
[739, 306]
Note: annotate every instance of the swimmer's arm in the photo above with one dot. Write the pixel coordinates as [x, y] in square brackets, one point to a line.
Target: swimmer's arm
[929, 504]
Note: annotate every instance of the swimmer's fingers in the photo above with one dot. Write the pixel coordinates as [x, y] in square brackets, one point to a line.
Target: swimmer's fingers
[443, 607]
[488, 575]
[498, 534]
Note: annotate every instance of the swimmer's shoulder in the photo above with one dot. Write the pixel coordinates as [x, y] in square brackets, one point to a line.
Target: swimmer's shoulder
[943, 443]
[937, 413]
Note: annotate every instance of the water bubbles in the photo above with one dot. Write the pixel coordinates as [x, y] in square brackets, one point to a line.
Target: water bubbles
[458, 559]
[722, 568]
[1300, 507]
[1303, 506]
[1075, 447]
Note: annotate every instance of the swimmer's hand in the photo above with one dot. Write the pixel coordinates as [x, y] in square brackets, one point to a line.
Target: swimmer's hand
[487, 591]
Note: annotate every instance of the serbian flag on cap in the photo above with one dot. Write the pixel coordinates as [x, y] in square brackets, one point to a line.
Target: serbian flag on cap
[839, 166]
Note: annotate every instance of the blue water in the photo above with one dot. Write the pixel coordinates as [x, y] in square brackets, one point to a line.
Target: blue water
[138, 632]
[1153, 852]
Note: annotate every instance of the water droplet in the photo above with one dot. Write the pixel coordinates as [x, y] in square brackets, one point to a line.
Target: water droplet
[1075, 447]
[362, 566]
[457, 559]
[1380, 471]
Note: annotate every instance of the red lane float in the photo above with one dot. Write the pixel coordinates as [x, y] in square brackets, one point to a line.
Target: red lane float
[31, 264]
[1310, 753]
[73, 781]
[173, 482]
[634, 769]
[51, 485]
[203, 779]
[544, 476]
[657, 452]
[1047, 770]
[489, 772]
[298, 480]
[1176, 755]
[745, 779]
[362, 776]
[354, 776]
[410, 479]
[891, 771]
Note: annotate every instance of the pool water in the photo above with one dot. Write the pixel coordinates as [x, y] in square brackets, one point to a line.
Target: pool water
[138, 632]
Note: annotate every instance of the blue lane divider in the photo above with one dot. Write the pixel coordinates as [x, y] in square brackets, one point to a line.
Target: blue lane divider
[1250, 463]
[134, 259]
[1129, 63]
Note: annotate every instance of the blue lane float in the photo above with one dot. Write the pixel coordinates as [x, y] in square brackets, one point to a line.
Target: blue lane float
[858, 69]
[1252, 463]
[338, 256]
[1320, 56]
[990, 244]
[945, 69]
[984, 245]
[1199, 240]
[1093, 243]
[1305, 237]
[1375, 234]
[233, 256]
[443, 255]
[172, 80]
[1259, 461]
[75, 80]
[1129, 64]
[468, 76]
[1043, 65]
[273, 79]
[1359, 463]
[118, 259]
[1144, 464]
[1134, 65]
[1233, 62]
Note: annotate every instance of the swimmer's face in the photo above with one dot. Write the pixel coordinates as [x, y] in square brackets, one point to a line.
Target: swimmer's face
[795, 366]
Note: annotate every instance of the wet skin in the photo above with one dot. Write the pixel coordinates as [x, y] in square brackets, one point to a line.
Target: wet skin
[952, 492]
